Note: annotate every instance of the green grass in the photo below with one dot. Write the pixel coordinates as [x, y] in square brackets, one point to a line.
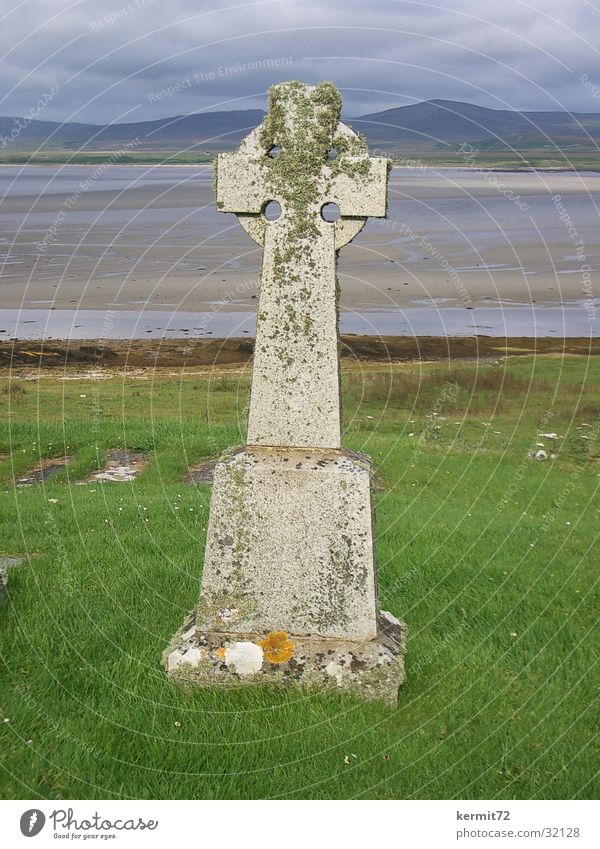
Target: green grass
[576, 158]
[60, 156]
[487, 556]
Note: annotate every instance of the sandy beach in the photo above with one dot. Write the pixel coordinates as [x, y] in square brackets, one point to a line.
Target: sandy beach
[149, 238]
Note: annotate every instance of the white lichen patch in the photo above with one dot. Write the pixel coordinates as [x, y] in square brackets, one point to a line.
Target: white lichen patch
[246, 658]
[229, 614]
[334, 669]
[174, 660]
[194, 655]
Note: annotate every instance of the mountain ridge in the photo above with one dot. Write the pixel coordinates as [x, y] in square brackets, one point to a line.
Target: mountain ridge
[431, 124]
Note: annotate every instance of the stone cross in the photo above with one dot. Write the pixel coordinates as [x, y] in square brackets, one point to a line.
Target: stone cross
[289, 588]
[303, 159]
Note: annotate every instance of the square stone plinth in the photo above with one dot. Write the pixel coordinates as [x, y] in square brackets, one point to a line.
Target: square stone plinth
[370, 669]
[290, 545]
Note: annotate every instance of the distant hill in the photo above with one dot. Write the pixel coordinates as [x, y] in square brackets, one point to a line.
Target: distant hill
[205, 130]
[432, 125]
[448, 122]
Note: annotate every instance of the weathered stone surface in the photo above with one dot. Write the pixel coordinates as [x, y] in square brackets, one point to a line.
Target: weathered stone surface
[371, 669]
[295, 383]
[121, 466]
[289, 590]
[202, 472]
[43, 471]
[290, 545]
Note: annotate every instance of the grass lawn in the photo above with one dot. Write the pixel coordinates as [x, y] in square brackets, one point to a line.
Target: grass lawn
[487, 555]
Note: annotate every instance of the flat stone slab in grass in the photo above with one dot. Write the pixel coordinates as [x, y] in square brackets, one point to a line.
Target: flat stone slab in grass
[203, 472]
[43, 471]
[121, 466]
[371, 669]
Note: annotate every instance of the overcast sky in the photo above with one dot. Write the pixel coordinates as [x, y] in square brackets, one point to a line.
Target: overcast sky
[111, 60]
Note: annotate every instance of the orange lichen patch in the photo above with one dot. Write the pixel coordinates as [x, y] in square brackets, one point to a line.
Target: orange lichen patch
[220, 653]
[277, 646]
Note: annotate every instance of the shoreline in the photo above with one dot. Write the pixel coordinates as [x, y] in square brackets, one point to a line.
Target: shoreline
[237, 351]
[426, 165]
[441, 317]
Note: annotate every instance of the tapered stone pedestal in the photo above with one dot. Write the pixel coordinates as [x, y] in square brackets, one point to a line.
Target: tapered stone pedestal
[302, 520]
[297, 519]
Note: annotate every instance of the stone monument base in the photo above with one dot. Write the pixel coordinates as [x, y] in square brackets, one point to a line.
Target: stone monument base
[370, 669]
[289, 545]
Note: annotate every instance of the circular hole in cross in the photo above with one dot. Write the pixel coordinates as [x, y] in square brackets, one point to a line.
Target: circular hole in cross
[330, 212]
[331, 154]
[274, 152]
[272, 210]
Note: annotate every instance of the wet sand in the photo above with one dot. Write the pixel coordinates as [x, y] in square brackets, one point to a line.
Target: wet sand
[573, 319]
[149, 238]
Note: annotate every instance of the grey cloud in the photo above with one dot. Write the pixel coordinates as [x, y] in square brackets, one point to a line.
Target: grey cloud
[382, 54]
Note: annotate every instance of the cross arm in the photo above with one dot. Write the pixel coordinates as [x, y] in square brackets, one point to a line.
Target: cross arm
[239, 186]
[360, 189]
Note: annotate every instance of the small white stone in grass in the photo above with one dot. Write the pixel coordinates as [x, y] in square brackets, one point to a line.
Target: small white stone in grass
[513, 633]
[83, 396]
[245, 657]
[6, 719]
[29, 742]
[53, 501]
[567, 523]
